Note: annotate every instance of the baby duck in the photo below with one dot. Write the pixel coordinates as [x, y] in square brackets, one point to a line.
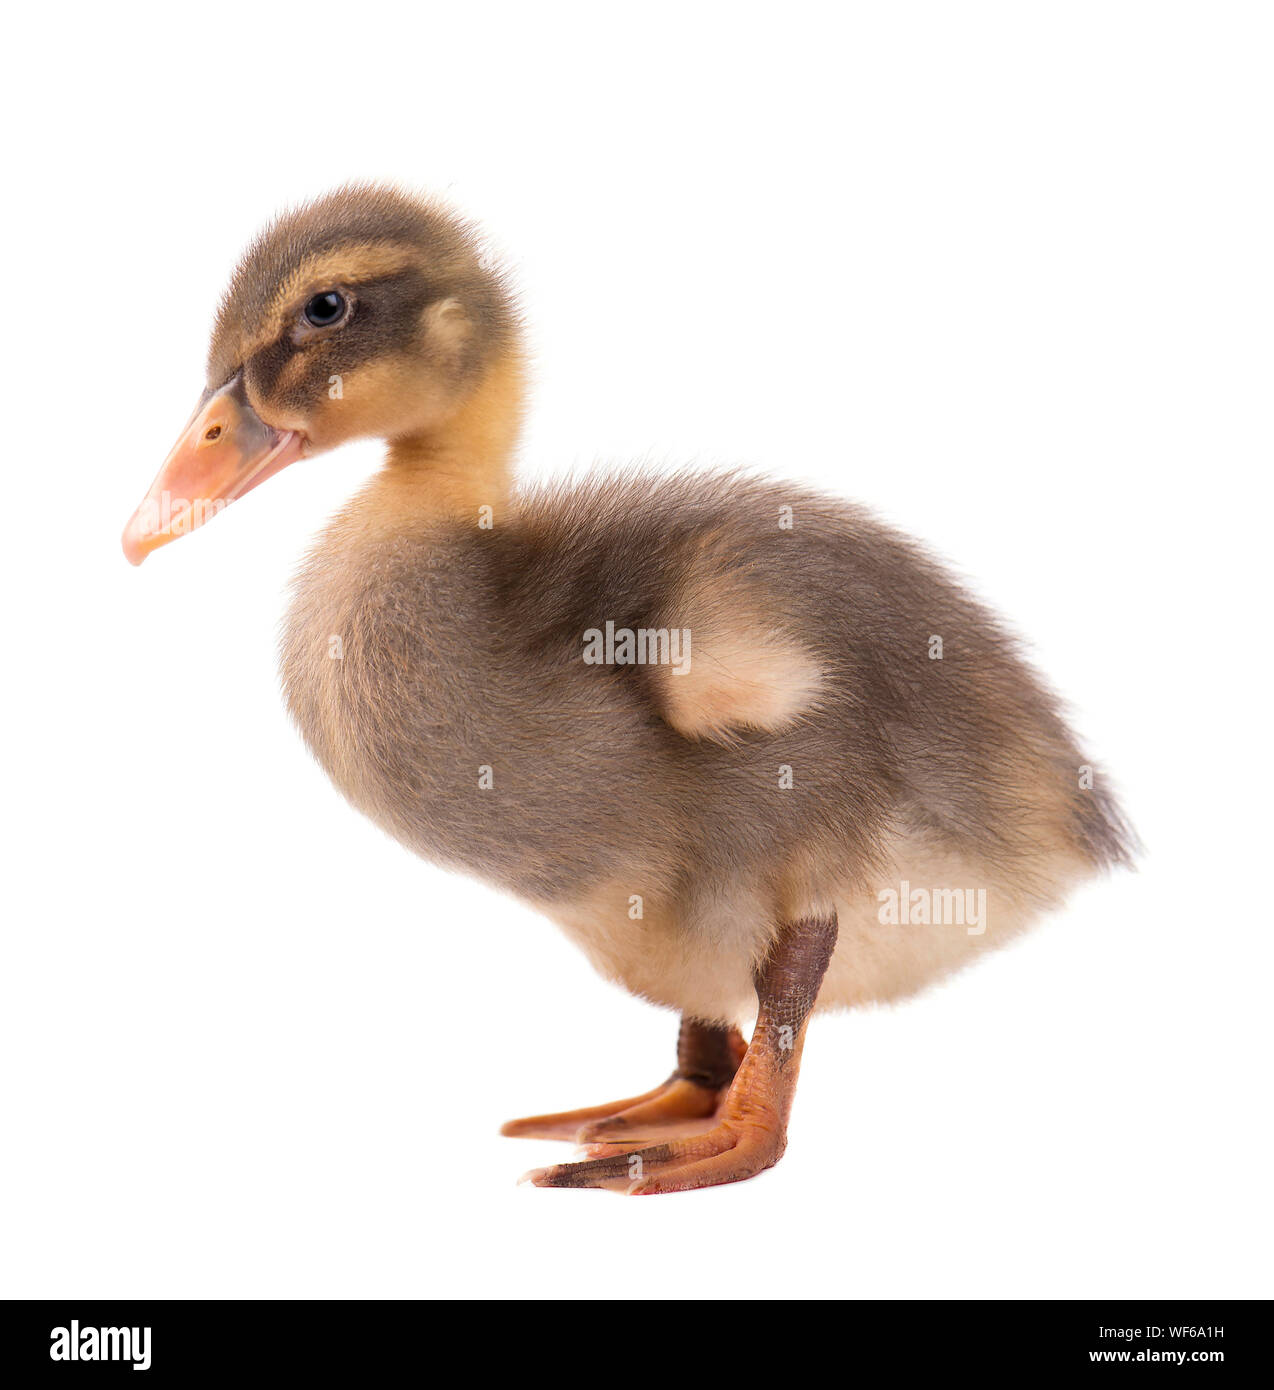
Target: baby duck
[755, 752]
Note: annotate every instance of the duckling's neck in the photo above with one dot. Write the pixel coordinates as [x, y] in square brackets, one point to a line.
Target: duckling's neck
[463, 469]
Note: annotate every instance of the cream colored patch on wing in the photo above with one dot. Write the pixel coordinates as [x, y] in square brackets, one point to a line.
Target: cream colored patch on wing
[740, 676]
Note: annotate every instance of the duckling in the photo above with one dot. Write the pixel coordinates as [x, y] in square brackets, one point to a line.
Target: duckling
[756, 753]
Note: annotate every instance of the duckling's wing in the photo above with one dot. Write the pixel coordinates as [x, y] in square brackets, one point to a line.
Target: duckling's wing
[741, 667]
[698, 583]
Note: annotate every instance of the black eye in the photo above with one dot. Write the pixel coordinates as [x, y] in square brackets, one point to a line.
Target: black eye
[325, 309]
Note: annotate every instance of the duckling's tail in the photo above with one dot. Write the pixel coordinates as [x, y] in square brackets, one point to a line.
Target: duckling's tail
[1104, 832]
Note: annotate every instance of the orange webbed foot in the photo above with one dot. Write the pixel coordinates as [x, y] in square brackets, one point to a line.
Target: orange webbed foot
[729, 1152]
[686, 1104]
[747, 1089]
[676, 1108]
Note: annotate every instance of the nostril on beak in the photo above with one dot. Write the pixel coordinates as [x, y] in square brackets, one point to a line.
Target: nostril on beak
[212, 434]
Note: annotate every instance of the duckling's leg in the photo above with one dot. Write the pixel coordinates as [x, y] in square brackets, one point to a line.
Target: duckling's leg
[708, 1055]
[751, 1129]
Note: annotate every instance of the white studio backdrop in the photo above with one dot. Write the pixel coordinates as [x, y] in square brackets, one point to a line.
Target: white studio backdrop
[1003, 273]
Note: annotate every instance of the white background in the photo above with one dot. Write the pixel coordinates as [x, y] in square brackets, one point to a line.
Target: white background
[1002, 272]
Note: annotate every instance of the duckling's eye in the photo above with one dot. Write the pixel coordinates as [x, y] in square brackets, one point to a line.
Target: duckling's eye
[326, 309]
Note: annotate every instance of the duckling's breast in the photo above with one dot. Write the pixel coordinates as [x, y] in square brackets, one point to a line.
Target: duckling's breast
[471, 744]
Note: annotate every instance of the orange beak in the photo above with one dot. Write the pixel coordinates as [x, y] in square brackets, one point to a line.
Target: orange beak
[225, 451]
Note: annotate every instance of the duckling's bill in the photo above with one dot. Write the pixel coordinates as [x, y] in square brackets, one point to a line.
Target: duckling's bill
[225, 450]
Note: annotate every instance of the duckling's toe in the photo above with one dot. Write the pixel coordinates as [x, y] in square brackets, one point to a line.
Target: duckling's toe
[729, 1152]
[676, 1108]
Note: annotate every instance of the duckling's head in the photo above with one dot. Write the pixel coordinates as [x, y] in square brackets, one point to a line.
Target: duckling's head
[365, 313]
